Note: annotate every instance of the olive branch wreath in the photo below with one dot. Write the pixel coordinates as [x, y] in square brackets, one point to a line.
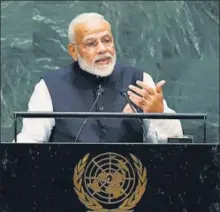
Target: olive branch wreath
[94, 205]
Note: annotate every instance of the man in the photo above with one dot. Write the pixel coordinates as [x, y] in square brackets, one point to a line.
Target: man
[75, 88]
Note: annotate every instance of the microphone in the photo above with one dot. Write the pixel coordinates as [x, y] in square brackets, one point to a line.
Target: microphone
[100, 91]
[123, 93]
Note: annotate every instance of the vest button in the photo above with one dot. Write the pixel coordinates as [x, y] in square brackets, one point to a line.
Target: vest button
[101, 108]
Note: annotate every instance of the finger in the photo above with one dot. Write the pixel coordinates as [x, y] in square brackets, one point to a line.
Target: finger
[140, 103]
[146, 97]
[141, 92]
[128, 109]
[160, 85]
[146, 87]
[137, 100]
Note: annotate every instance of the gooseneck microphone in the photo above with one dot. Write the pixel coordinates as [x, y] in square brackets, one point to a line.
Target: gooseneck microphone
[123, 93]
[133, 109]
[100, 91]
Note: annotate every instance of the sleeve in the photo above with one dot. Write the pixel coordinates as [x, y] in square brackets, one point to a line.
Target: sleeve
[159, 130]
[37, 130]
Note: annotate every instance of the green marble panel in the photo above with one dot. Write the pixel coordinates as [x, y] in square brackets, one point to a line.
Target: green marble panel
[175, 41]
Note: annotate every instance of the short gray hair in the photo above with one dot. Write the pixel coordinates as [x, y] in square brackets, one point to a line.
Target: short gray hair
[84, 17]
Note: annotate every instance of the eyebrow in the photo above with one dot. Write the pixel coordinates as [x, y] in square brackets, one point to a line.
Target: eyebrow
[90, 37]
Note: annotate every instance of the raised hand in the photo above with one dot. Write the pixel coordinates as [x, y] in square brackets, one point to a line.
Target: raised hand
[148, 99]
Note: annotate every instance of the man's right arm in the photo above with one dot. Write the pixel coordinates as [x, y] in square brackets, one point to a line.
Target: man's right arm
[37, 130]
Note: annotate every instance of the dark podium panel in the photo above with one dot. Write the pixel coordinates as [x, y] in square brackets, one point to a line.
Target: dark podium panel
[140, 178]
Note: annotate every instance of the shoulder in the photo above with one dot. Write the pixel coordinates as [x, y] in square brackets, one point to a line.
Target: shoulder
[60, 73]
[127, 68]
[137, 72]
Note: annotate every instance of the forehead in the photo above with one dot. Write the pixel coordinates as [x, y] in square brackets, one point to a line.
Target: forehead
[92, 29]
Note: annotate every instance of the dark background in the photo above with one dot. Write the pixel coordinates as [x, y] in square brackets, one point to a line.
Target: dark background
[38, 178]
[173, 40]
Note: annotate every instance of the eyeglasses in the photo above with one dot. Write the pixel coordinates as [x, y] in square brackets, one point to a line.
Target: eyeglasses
[93, 43]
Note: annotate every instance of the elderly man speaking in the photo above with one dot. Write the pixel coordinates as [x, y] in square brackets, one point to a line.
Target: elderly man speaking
[75, 89]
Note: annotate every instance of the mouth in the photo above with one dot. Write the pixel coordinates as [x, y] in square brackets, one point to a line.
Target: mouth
[103, 61]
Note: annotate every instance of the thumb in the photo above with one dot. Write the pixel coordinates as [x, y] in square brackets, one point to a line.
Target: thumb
[160, 85]
[128, 109]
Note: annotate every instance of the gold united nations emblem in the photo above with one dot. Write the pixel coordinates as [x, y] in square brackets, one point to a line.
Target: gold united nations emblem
[110, 182]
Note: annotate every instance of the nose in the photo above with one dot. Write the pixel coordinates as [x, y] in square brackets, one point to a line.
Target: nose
[101, 48]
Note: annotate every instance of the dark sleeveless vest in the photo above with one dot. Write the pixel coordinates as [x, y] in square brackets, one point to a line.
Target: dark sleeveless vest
[74, 90]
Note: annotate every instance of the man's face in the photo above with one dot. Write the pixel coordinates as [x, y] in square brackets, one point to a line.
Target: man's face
[95, 49]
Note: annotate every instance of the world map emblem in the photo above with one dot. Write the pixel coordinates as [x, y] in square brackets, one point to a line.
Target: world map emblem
[110, 182]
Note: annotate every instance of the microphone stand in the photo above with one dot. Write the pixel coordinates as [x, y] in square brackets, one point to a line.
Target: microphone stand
[99, 93]
[133, 109]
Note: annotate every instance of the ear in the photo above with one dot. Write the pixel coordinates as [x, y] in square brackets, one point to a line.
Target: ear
[72, 51]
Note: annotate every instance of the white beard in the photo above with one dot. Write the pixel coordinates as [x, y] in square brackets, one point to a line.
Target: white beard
[98, 70]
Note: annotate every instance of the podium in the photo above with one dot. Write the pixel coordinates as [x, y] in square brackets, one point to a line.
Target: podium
[108, 177]
[116, 177]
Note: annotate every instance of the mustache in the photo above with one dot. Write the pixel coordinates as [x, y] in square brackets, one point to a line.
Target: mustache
[103, 57]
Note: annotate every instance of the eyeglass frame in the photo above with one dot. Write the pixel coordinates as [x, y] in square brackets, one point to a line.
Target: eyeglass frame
[96, 40]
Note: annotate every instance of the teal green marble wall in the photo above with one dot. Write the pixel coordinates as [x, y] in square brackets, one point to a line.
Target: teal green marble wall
[175, 41]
